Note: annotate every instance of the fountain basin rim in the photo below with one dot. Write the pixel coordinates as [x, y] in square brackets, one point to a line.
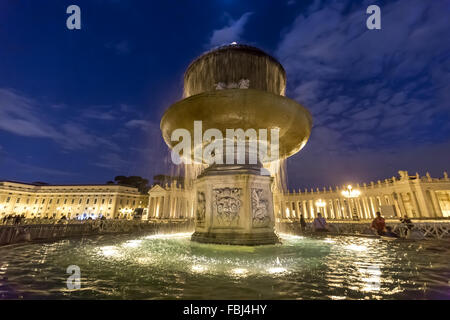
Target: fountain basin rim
[244, 109]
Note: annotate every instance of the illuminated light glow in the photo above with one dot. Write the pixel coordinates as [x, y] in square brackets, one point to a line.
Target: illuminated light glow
[320, 203]
[198, 268]
[109, 251]
[132, 243]
[276, 270]
[328, 240]
[234, 43]
[355, 247]
[146, 260]
[338, 297]
[239, 271]
[373, 280]
[374, 271]
[290, 236]
[169, 235]
[350, 192]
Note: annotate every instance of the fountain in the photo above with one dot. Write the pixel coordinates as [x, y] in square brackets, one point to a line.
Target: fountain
[236, 87]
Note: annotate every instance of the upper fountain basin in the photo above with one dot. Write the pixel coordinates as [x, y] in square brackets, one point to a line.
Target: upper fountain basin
[228, 66]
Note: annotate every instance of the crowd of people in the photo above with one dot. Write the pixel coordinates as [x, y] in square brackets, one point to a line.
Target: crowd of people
[378, 226]
[21, 219]
[13, 219]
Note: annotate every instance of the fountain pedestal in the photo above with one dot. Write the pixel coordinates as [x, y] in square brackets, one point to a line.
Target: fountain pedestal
[234, 205]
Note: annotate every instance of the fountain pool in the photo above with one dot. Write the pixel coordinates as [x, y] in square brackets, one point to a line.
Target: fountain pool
[170, 266]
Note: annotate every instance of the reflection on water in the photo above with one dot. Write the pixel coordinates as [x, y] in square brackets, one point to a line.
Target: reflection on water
[173, 267]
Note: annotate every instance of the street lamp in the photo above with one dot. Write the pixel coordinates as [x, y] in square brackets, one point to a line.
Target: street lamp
[349, 194]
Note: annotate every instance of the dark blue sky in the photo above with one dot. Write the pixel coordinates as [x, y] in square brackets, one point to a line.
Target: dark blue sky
[83, 106]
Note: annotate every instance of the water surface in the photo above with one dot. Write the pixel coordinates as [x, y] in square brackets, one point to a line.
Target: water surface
[173, 267]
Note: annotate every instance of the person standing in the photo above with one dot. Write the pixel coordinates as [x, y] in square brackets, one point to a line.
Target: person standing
[378, 224]
[302, 223]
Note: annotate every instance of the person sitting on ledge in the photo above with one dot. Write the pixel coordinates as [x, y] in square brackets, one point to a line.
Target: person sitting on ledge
[407, 221]
[378, 224]
[390, 233]
[320, 224]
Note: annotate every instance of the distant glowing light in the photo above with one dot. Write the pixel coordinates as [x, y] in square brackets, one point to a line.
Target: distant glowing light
[355, 247]
[320, 203]
[350, 192]
[234, 43]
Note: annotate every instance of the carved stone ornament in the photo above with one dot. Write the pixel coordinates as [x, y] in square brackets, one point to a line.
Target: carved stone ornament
[227, 204]
[260, 208]
[201, 207]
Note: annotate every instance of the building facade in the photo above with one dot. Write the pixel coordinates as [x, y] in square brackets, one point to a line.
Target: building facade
[71, 201]
[170, 202]
[415, 196]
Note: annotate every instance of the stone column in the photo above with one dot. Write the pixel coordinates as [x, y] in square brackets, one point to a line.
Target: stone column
[312, 209]
[435, 201]
[297, 210]
[424, 205]
[149, 210]
[305, 209]
[401, 204]
[283, 209]
[417, 211]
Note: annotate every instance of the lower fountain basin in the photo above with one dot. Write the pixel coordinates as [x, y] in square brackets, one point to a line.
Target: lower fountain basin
[173, 267]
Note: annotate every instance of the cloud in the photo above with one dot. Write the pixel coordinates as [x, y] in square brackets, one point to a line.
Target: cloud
[230, 33]
[371, 90]
[24, 116]
[100, 113]
[113, 161]
[18, 116]
[141, 124]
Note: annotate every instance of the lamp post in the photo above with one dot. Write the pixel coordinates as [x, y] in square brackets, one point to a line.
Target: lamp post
[351, 193]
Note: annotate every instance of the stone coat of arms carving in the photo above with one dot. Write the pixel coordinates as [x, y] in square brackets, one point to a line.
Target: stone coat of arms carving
[260, 209]
[227, 204]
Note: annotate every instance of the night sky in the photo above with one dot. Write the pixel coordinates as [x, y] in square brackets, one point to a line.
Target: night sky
[82, 106]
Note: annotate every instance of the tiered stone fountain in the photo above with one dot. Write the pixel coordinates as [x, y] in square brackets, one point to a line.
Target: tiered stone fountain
[237, 87]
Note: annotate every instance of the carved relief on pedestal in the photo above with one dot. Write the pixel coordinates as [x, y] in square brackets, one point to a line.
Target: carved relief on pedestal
[260, 208]
[201, 207]
[227, 204]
